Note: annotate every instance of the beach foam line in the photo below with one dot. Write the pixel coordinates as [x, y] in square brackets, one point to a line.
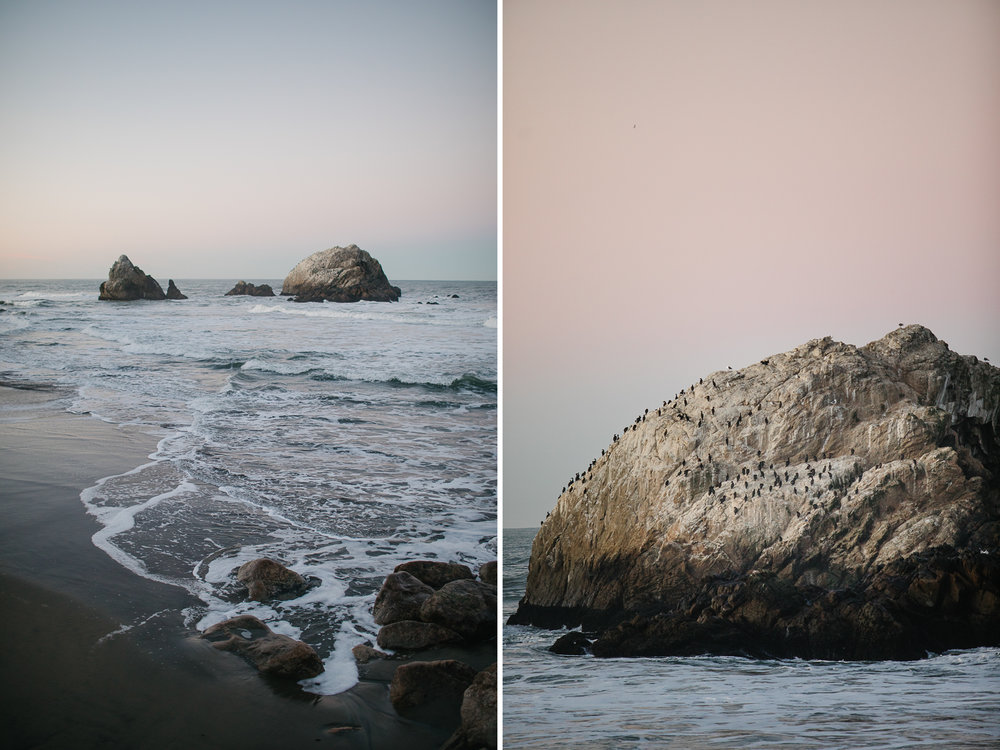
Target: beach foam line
[117, 520]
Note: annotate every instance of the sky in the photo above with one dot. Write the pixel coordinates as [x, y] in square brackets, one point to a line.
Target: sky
[217, 139]
[694, 185]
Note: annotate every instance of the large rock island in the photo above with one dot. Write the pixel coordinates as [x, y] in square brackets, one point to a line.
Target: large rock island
[128, 282]
[830, 502]
[340, 274]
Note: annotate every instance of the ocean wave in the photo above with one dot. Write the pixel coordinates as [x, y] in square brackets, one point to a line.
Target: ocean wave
[55, 295]
[467, 382]
[280, 368]
[336, 311]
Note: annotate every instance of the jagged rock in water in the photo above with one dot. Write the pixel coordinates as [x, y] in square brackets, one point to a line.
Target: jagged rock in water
[832, 501]
[340, 274]
[128, 282]
[253, 290]
[573, 644]
[272, 653]
[173, 292]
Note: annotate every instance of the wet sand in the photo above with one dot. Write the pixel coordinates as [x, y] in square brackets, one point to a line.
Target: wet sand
[90, 659]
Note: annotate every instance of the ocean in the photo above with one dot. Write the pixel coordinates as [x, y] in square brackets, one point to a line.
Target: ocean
[340, 440]
[948, 700]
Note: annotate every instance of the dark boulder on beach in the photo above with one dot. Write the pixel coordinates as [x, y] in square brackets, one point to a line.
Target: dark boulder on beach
[173, 292]
[488, 572]
[267, 579]
[400, 598]
[467, 607]
[127, 282]
[424, 603]
[253, 290]
[434, 572]
[415, 635]
[339, 274]
[432, 691]
[272, 653]
[479, 714]
[830, 502]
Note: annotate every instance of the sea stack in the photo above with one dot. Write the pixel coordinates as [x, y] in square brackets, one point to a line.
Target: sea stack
[173, 292]
[127, 282]
[831, 502]
[253, 290]
[340, 274]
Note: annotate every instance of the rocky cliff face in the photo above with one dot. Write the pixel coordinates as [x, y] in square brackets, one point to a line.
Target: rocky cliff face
[730, 510]
[128, 282]
[340, 274]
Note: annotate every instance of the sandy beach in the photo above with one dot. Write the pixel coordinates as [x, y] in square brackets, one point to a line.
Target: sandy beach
[90, 660]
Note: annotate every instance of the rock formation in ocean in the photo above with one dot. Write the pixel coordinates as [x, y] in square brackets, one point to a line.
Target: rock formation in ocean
[128, 282]
[340, 274]
[173, 292]
[254, 290]
[829, 502]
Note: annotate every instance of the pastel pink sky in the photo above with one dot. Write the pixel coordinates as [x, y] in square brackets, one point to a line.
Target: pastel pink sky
[207, 138]
[692, 185]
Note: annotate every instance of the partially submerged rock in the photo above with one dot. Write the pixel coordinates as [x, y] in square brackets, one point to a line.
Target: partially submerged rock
[479, 713]
[434, 572]
[400, 598]
[253, 290]
[127, 282]
[831, 502]
[268, 579]
[431, 690]
[340, 274]
[488, 572]
[467, 607]
[414, 635]
[364, 653]
[272, 653]
[173, 292]
[426, 603]
[572, 644]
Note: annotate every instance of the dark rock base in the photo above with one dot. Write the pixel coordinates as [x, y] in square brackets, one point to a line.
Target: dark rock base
[334, 293]
[926, 603]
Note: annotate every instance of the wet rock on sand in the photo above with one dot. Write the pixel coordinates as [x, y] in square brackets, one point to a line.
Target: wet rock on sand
[479, 713]
[488, 572]
[413, 635]
[431, 690]
[467, 607]
[400, 598]
[272, 653]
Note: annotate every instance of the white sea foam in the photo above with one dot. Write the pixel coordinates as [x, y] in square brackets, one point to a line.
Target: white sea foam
[328, 437]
